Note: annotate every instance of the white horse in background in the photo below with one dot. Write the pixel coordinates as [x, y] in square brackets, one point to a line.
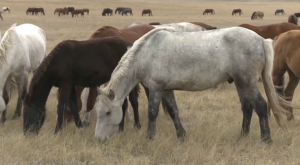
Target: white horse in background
[5, 9]
[22, 49]
[165, 60]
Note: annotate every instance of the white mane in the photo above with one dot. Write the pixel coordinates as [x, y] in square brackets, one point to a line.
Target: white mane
[123, 65]
[182, 26]
[5, 42]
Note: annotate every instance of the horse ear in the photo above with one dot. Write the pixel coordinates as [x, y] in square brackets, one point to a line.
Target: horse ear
[111, 94]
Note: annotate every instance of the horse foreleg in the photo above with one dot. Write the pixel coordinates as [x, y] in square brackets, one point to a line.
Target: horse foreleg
[124, 108]
[74, 108]
[133, 98]
[22, 82]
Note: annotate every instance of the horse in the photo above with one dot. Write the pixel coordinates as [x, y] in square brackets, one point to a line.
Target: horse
[130, 34]
[272, 30]
[154, 23]
[127, 10]
[57, 10]
[252, 56]
[147, 11]
[293, 19]
[279, 11]
[5, 9]
[64, 11]
[297, 14]
[235, 11]
[257, 15]
[107, 11]
[205, 26]
[88, 63]
[78, 11]
[86, 11]
[22, 49]
[211, 11]
[119, 10]
[286, 59]
[35, 11]
[71, 9]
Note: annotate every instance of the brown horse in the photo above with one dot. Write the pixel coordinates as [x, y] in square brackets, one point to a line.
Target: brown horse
[87, 11]
[272, 30]
[293, 19]
[57, 10]
[207, 11]
[35, 11]
[107, 11]
[279, 11]
[78, 11]
[119, 10]
[147, 11]
[287, 59]
[235, 11]
[205, 26]
[131, 34]
[257, 15]
[64, 11]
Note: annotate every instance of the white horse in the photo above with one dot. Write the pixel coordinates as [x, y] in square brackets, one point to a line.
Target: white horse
[5, 9]
[165, 60]
[22, 49]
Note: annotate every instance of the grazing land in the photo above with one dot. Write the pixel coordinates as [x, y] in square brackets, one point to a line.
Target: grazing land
[212, 118]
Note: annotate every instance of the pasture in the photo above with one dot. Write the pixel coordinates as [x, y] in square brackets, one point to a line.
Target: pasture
[212, 118]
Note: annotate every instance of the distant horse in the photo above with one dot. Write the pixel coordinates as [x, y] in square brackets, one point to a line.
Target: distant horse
[130, 34]
[279, 11]
[87, 63]
[207, 11]
[71, 9]
[57, 10]
[154, 23]
[35, 11]
[252, 57]
[22, 49]
[119, 10]
[235, 11]
[272, 30]
[286, 59]
[86, 11]
[107, 11]
[205, 26]
[293, 19]
[78, 11]
[257, 15]
[126, 11]
[147, 11]
[297, 14]
[64, 11]
[5, 9]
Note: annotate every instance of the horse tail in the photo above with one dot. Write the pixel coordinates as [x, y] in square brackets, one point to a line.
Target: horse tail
[273, 98]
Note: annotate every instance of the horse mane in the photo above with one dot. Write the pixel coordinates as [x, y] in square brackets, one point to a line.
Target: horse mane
[253, 15]
[100, 30]
[6, 41]
[125, 62]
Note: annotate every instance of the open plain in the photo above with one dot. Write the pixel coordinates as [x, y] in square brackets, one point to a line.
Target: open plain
[212, 118]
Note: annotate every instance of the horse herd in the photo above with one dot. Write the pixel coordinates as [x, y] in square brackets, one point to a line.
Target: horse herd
[72, 11]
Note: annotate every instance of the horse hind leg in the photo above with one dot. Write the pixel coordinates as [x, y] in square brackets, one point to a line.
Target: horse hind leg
[133, 98]
[22, 82]
[6, 96]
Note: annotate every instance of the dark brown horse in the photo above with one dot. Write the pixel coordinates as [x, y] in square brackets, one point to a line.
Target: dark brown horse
[147, 11]
[107, 11]
[126, 11]
[35, 11]
[71, 9]
[87, 63]
[64, 11]
[205, 26]
[287, 59]
[78, 11]
[119, 10]
[237, 11]
[279, 11]
[130, 34]
[257, 15]
[207, 11]
[57, 10]
[272, 30]
[293, 19]
[87, 11]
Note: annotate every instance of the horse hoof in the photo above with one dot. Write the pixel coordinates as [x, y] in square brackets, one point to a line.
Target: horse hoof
[150, 136]
[181, 133]
[138, 126]
[267, 140]
[16, 115]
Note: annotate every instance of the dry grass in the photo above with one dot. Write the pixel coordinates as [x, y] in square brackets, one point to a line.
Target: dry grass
[212, 118]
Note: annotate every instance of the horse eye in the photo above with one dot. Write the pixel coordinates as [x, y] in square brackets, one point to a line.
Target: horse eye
[108, 113]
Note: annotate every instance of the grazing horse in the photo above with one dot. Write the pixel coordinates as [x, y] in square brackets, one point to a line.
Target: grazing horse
[71, 9]
[5, 9]
[272, 30]
[211, 11]
[147, 11]
[87, 63]
[22, 49]
[252, 57]
[286, 59]
[107, 11]
[130, 34]
[86, 11]
[78, 11]
[127, 10]
[279, 11]
[35, 11]
[257, 15]
[154, 23]
[205, 26]
[293, 19]
[57, 10]
[64, 11]
[297, 14]
[235, 11]
[119, 10]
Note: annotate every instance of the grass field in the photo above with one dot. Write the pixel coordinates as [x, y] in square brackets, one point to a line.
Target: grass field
[212, 118]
